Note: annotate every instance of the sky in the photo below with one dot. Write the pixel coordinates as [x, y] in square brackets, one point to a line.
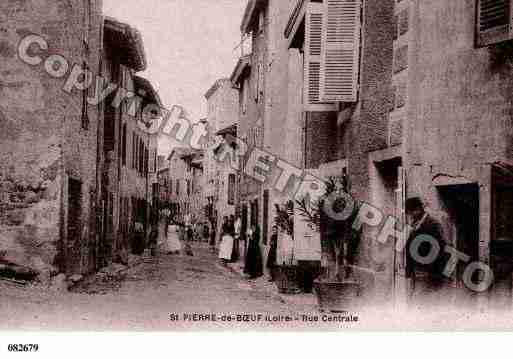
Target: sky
[189, 44]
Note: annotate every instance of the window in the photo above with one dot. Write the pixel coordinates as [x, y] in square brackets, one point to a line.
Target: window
[245, 85]
[259, 81]
[331, 50]
[140, 157]
[231, 189]
[155, 169]
[133, 149]
[85, 94]
[493, 21]
[265, 226]
[146, 162]
[136, 153]
[123, 145]
[177, 187]
[340, 50]
[261, 22]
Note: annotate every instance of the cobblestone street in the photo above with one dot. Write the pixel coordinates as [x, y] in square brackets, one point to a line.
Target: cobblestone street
[146, 294]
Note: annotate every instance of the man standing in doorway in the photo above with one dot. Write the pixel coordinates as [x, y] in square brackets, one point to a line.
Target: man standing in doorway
[424, 257]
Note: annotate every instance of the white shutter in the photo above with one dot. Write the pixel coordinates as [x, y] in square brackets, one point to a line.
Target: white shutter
[341, 51]
[312, 55]
[494, 21]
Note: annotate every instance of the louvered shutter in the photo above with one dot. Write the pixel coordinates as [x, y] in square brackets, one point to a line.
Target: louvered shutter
[312, 56]
[493, 21]
[341, 51]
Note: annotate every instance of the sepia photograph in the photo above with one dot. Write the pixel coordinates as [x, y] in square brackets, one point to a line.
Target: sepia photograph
[255, 166]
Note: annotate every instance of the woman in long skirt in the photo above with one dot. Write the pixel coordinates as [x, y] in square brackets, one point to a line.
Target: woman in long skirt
[226, 247]
[253, 265]
[271, 258]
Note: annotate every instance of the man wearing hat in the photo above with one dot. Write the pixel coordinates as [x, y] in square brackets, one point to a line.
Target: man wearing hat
[422, 243]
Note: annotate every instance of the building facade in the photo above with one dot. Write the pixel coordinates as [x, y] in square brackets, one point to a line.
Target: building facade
[65, 147]
[49, 141]
[184, 183]
[456, 122]
[220, 168]
[129, 151]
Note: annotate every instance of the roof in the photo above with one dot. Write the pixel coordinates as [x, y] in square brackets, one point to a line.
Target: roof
[145, 89]
[250, 14]
[125, 44]
[243, 63]
[192, 154]
[231, 141]
[219, 83]
[185, 152]
[230, 130]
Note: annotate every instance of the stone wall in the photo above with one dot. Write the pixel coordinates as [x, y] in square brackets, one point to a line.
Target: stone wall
[459, 107]
[42, 141]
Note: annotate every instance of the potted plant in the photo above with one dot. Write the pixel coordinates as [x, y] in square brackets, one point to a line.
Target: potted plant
[338, 287]
[286, 273]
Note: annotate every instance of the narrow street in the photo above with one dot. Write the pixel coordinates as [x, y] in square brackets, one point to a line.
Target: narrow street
[145, 296]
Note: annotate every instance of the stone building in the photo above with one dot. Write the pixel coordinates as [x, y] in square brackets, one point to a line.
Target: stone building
[263, 80]
[416, 104]
[319, 100]
[454, 87]
[185, 184]
[65, 147]
[165, 187]
[49, 137]
[220, 176]
[129, 170]
[344, 100]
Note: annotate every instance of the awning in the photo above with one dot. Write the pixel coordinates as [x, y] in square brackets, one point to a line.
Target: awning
[243, 64]
[216, 87]
[124, 43]
[230, 130]
[295, 19]
[249, 18]
[151, 96]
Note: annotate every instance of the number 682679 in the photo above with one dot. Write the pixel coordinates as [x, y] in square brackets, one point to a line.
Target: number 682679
[23, 347]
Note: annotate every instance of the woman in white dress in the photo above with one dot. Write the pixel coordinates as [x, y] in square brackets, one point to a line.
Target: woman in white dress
[226, 247]
[172, 244]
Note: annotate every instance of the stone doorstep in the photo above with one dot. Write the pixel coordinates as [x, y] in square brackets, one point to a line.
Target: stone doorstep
[303, 299]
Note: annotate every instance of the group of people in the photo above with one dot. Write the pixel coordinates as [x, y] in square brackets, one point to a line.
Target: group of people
[232, 237]
[174, 237]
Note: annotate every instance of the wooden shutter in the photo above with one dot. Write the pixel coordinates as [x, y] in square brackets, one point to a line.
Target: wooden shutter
[341, 51]
[312, 58]
[399, 278]
[493, 21]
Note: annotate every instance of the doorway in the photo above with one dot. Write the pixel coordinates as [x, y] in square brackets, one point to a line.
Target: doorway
[462, 205]
[74, 226]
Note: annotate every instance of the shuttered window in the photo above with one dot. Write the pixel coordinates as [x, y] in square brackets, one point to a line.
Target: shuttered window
[231, 189]
[312, 58]
[123, 145]
[341, 50]
[493, 21]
